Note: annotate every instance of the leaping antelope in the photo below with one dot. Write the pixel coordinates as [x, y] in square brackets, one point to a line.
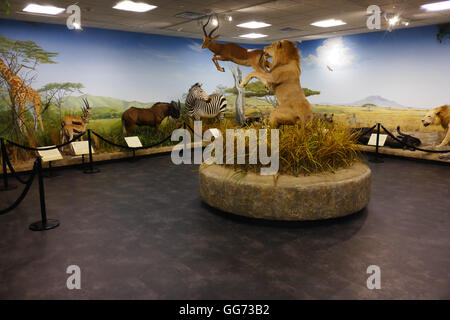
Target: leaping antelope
[254, 58]
[73, 125]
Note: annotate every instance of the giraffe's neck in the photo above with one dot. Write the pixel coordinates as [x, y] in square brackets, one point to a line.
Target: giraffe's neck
[6, 73]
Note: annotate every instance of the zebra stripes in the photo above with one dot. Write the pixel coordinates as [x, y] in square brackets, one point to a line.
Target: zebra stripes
[197, 107]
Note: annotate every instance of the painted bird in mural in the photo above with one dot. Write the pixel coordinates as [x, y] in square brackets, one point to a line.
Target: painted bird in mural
[22, 94]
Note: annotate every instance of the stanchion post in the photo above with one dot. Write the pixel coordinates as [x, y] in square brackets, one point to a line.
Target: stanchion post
[184, 139]
[44, 224]
[6, 185]
[377, 158]
[91, 168]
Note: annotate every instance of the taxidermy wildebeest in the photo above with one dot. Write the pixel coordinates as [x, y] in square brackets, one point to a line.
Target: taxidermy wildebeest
[149, 116]
[364, 136]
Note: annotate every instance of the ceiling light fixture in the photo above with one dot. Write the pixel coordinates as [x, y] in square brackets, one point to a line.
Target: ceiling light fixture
[230, 18]
[328, 23]
[253, 35]
[436, 6]
[214, 22]
[393, 21]
[36, 8]
[254, 25]
[128, 5]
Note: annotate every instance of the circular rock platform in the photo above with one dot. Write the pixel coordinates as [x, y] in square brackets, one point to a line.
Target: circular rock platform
[313, 197]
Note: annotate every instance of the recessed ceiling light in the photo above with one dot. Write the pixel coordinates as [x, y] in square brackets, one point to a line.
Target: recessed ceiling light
[128, 5]
[215, 22]
[254, 25]
[394, 20]
[253, 35]
[328, 23]
[36, 8]
[436, 6]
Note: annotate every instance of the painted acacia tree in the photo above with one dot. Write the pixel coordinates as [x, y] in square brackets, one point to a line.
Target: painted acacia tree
[240, 94]
[57, 93]
[258, 89]
[368, 106]
[22, 59]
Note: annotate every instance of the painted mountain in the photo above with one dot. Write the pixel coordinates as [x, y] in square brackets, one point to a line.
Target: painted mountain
[102, 102]
[377, 101]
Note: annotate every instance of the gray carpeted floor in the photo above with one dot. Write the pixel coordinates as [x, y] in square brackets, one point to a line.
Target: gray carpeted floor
[138, 230]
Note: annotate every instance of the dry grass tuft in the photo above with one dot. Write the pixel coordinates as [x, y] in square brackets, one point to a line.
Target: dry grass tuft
[317, 147]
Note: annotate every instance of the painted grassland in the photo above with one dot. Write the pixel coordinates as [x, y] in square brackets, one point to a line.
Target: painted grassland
[106, 121]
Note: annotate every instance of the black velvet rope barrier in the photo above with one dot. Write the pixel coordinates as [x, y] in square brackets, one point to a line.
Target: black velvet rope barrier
[410, 146]
[46, 148]
[187, 124]
[13, 172]
[368, 130]
[131, 148]
[24, 192]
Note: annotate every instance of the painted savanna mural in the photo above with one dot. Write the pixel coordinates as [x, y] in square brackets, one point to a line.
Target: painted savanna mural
[391, 77]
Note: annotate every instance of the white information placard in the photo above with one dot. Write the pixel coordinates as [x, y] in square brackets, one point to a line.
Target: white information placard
[50, 155]
[373, 140]
[81, 147]
[133, 142]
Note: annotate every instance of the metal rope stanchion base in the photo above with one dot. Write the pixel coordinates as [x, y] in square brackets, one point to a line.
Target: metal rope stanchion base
[9, 187]
[376, 160]
[40, 226]
[91, 170]
[50, 173]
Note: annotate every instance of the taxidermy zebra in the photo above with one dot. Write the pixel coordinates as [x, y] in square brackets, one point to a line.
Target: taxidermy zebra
[201, 105]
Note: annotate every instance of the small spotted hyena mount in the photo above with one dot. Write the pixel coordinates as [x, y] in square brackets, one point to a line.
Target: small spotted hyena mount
[327, 117]
[22, 94]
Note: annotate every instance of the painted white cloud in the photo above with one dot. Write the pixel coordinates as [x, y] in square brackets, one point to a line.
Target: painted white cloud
[332, 54]
[195, 46]
[163, 55]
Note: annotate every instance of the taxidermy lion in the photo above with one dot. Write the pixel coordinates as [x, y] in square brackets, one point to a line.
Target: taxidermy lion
[439, 116]
[284, 78]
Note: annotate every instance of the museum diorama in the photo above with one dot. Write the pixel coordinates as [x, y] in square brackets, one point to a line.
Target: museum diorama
[191, 149]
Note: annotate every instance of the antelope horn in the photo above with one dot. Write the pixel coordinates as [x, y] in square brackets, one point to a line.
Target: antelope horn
[212, 31]
[86, 103]
[204, 26]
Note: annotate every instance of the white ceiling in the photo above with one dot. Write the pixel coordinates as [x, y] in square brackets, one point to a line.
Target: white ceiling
[295, 14]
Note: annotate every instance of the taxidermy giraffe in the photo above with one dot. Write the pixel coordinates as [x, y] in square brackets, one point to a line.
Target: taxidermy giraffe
[22, 94]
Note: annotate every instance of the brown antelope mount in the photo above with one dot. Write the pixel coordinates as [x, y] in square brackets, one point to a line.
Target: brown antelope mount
[73, 125]
[254, 58]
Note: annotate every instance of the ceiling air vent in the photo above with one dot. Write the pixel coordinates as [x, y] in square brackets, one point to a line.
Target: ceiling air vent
[189, 15]
[288, 29]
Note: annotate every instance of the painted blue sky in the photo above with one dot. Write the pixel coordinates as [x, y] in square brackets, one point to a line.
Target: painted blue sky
[408, 66]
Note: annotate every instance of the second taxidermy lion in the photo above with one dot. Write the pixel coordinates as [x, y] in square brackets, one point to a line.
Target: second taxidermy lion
[284, 78]
[439, 116]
